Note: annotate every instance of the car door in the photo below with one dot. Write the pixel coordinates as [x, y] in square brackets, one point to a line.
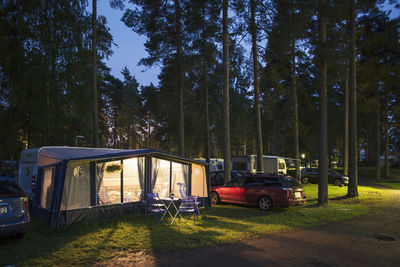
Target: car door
[313, 175]
[233, 191]
[252, 190]
[237, 193]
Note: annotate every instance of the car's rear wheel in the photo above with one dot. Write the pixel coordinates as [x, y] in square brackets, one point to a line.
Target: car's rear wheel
[338, 182]
[265, 203]
[304, 180]
[214, 198]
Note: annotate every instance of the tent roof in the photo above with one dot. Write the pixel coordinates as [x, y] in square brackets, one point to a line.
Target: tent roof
[53, 154]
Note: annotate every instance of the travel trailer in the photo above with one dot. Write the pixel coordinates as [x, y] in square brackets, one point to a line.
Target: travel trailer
[272, 164]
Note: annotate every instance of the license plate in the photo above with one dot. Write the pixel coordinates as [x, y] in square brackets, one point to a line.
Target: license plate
[3, 210]
[297, 194]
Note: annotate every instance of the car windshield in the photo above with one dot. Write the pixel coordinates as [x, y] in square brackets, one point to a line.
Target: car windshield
[289, 182]
[8, 189]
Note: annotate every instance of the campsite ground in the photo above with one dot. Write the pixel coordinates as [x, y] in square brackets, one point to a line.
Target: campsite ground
[345, 231]
[369, 240]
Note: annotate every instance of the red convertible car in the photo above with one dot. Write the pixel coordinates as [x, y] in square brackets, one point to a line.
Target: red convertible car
[265, 191]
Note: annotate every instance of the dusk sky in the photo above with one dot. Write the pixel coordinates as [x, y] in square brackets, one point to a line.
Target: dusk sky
[129, 48]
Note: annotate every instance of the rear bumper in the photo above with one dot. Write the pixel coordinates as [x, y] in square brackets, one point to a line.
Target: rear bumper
[9, 229]
[296, 202]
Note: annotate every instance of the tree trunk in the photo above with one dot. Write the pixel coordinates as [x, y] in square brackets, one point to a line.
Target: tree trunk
[256, 84]
[226, 120]
[352, 189]
[181, 127]
[346, 125]
[295, 112]
[323, 144]
[378, 137]
[386, 135]
[95, 114]
[206, 112]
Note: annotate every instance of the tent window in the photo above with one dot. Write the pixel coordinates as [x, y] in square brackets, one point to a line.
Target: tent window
[164, 180]
[133, 179]
[108, 182]
[77, 186]
[47, 188]
[160, 177]
[179, 175]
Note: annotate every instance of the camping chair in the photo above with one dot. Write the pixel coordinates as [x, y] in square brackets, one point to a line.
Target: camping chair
[188, 206]
[184, 196]
[102, 196]
[155, 206]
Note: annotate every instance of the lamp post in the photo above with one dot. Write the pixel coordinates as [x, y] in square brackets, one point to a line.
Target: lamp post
[76, 139]
[303, 156]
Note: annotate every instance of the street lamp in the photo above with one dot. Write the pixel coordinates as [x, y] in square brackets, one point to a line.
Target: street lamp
[78, 137]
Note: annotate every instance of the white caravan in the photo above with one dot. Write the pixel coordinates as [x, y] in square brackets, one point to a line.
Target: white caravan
[272, 164]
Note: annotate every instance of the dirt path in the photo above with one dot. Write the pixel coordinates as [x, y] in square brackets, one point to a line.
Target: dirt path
[369, 240]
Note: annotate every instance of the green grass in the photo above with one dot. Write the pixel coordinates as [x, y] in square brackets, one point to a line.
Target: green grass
[394, 185]
[88, 242]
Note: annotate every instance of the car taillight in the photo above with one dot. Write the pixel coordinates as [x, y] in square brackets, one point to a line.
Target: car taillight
[26, 203]
[33, 183]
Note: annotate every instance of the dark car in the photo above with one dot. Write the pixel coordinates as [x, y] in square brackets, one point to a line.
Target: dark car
[14, 209]
[217, 177]
[311, 175]
[265, 191]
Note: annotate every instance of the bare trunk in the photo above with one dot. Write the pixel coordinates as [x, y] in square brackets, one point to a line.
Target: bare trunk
[387, 173]
[323, 144]
[226, 119]
[253, 29]
[181, 127]
[295, 112]
[378, 136]
[206, 112]
[95, 114]
[346, 126]
[352, 190]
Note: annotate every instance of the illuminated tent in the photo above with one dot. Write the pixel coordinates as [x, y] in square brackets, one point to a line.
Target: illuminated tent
[88, 183]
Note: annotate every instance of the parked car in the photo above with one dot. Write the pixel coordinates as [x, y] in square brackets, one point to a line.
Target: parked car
[217, 177]
[14, 209]
[311, 175]
[265, 191]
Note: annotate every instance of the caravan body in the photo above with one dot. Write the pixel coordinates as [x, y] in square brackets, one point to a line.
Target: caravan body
[272, 164]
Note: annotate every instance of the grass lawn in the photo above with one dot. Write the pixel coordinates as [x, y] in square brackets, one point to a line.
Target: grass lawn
[88, 242]
[394, 185]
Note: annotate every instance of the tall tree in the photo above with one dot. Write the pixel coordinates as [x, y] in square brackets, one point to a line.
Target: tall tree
[256, 85]
[323, 134]
[352, 190]
[95, 112]
[226, 119]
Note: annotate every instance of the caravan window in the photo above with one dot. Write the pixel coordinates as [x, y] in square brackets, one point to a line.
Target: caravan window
[47, 188]
[133, 179]
[108, 182]
[77, 186]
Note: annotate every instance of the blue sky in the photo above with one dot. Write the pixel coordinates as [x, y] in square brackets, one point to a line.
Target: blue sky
[129, 48]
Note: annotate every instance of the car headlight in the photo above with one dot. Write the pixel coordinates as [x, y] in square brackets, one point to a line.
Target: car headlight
[345, 178]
